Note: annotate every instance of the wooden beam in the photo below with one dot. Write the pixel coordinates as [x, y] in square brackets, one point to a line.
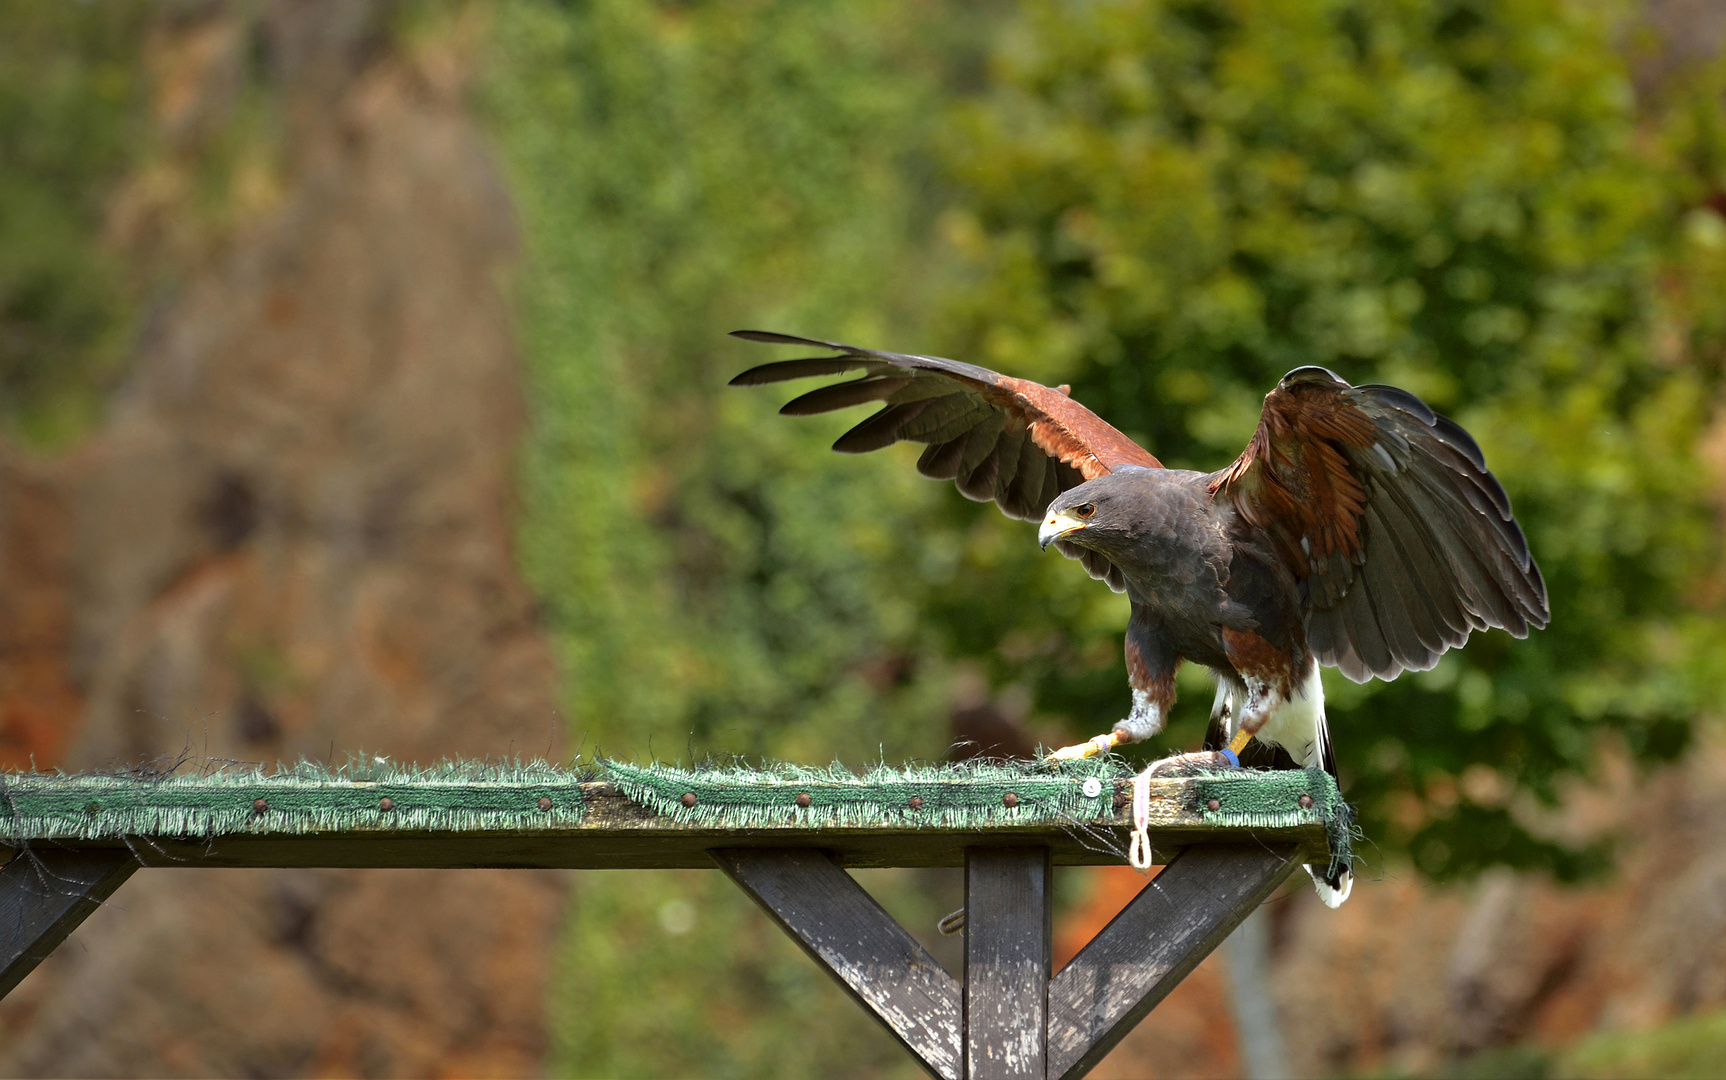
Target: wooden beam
[1006, 962]
[616, 833]
[45, 892]
[844, 930]
[595, 848]
[1185, 912]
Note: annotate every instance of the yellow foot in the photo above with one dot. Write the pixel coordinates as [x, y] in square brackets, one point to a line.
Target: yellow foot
[1102, 744]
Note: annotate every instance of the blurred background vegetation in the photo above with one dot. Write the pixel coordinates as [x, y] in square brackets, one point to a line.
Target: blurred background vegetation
[69, 88]
[1167, 205]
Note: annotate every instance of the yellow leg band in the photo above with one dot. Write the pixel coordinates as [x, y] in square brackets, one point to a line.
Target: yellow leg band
[1239, 742]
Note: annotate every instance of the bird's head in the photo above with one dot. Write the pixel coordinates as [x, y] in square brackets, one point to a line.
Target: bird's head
[1097, 514]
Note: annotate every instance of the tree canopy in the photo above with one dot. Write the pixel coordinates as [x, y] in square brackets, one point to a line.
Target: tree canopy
[1167, 205]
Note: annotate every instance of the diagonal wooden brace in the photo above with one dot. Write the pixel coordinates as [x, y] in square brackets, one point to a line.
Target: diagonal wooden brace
[45, 892]
[1009, 1019]
[1185, 912]
[844, 930]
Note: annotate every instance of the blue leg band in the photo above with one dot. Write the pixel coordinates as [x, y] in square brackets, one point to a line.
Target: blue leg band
[1234, 761]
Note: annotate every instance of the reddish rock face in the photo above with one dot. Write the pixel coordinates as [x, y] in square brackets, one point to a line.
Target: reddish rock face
[291, 537]
[39, 699]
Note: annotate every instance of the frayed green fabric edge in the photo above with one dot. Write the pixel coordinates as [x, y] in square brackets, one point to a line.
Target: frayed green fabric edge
[1272, 800]
[967, 795]
[453, 796]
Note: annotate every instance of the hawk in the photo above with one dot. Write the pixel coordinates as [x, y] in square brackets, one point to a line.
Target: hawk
[1359, 530]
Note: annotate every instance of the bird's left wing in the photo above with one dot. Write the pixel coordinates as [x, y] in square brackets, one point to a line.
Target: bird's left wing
[1386, 514]
[1012, 441]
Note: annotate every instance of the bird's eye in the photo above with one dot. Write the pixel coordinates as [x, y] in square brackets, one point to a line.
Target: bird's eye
[1084, 510]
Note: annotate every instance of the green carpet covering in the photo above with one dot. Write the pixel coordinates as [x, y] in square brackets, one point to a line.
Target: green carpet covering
[372, 795]
[962, 796]
[1273, 800]
[459, 796]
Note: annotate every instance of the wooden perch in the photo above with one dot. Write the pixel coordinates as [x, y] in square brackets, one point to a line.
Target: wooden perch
[786, 836]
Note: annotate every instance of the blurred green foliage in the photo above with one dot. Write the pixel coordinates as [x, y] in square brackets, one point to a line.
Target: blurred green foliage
[1688, 1048]
[671, 973]
[716, 580]
[1691, 1048]
[69, 79]
[1166, 204]
[1170, 204]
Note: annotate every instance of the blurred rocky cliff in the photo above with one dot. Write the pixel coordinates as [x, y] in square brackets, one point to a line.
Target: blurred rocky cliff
[291, 536]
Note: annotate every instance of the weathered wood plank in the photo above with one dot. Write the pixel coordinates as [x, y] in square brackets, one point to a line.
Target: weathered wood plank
[842, 927]
[1184, 913]
[616, 833]
[44, 894]
[646, 850]
[1006, 962]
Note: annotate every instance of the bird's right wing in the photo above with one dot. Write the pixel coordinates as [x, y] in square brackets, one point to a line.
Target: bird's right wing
[1012, 441]
[1386, 514]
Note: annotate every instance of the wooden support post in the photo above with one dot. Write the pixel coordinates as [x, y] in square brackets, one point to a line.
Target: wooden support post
[1175, 922]
[844, 930]
[45, 892]
[1006, 962]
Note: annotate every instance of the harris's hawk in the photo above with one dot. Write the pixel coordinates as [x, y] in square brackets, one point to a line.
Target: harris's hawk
[1359, 529]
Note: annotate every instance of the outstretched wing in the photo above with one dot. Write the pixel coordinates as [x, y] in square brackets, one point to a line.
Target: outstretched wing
[1012, 441]
[1385, 512]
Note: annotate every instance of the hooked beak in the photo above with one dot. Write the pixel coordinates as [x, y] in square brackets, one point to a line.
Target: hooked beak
[1058, 526]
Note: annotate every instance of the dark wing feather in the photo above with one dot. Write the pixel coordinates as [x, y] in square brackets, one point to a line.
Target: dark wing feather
[807, 368]
[1385, 512]
[1012, 441]
[843, 395]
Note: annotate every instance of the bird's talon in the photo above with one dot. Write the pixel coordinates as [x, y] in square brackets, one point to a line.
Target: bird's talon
[1090, 748]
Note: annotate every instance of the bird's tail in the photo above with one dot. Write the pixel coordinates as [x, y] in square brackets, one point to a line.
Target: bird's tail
[1310, 746]
[1335, 880]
